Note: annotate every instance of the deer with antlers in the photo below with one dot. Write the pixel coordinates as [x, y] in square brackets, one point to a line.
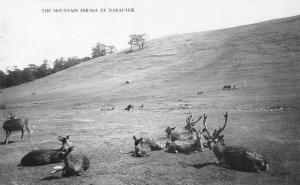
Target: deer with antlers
[238, 158]
[47, 156]
[190, 123]
[187, 146]
[15, 124]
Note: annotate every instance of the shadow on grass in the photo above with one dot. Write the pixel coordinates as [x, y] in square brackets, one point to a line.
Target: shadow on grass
[202, 165]
[49, 178]
[9, 142]
[131, 153]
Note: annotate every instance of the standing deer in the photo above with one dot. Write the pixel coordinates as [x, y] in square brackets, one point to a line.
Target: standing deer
[75, 164]
[15, 124]
[190, 123]
[46, 156]
[237, 158]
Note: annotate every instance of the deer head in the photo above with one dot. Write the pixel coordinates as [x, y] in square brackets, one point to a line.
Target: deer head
[66, 143]
[216, 137]
[141, 147]
[169, 130]
[11, 116]
[190, 123]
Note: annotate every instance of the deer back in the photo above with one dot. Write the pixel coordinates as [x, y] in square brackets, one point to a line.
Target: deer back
[242, 159]
[42, 157]
[15, 124]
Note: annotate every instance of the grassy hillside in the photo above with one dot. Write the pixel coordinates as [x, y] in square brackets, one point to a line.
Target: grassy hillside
[262, 59]
[265, 54]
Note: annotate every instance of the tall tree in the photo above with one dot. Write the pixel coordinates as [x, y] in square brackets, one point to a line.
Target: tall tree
[137, 40]
[13, 77]
[28, 75]
[2, 79]
[111, 50]
[44, 69]
[99, 50]
[58, 64]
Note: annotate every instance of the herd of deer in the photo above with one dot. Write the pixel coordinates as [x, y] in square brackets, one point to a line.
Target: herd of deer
[238, 158]
[192, 140]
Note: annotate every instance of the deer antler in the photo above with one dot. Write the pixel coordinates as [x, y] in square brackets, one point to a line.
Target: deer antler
[205, 127]
[61, 137]
[218, 132]
[190, 121]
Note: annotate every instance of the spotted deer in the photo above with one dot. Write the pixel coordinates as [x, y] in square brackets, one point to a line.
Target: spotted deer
[15, 124]
[238, 158]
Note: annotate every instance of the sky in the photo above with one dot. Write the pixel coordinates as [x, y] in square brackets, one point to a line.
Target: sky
[28, 35]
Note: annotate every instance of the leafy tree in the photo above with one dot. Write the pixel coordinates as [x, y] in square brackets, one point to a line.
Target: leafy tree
[99, 50]
[2, 79]
[43, 70]
[72, 61]
[111, 49]
[13, 77]
[133, 41]
[141, 40]
[28, 75]
[137, 40]
[84, 59]
[58, 65]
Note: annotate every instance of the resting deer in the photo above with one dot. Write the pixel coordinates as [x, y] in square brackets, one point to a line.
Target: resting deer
[187, 146]
[143, 146]
[190, 123]
[75, 164]
[237, 158]
[15, 124]
[46, 156]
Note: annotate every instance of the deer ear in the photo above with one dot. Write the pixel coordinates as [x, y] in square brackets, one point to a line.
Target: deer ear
[173, 128]
[134, 138]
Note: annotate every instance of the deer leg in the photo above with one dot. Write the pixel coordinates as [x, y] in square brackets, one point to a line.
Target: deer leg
[201, 145]
[6, 132]
[22, 134]
[28, 132]
[7, 136]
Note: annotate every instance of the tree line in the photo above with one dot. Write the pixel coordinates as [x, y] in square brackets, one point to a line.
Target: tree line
[15, 76]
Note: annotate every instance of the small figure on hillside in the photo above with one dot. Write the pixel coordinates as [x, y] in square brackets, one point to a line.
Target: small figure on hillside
[130, 106]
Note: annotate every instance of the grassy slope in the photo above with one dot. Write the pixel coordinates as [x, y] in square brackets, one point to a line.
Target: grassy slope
[167, 74]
